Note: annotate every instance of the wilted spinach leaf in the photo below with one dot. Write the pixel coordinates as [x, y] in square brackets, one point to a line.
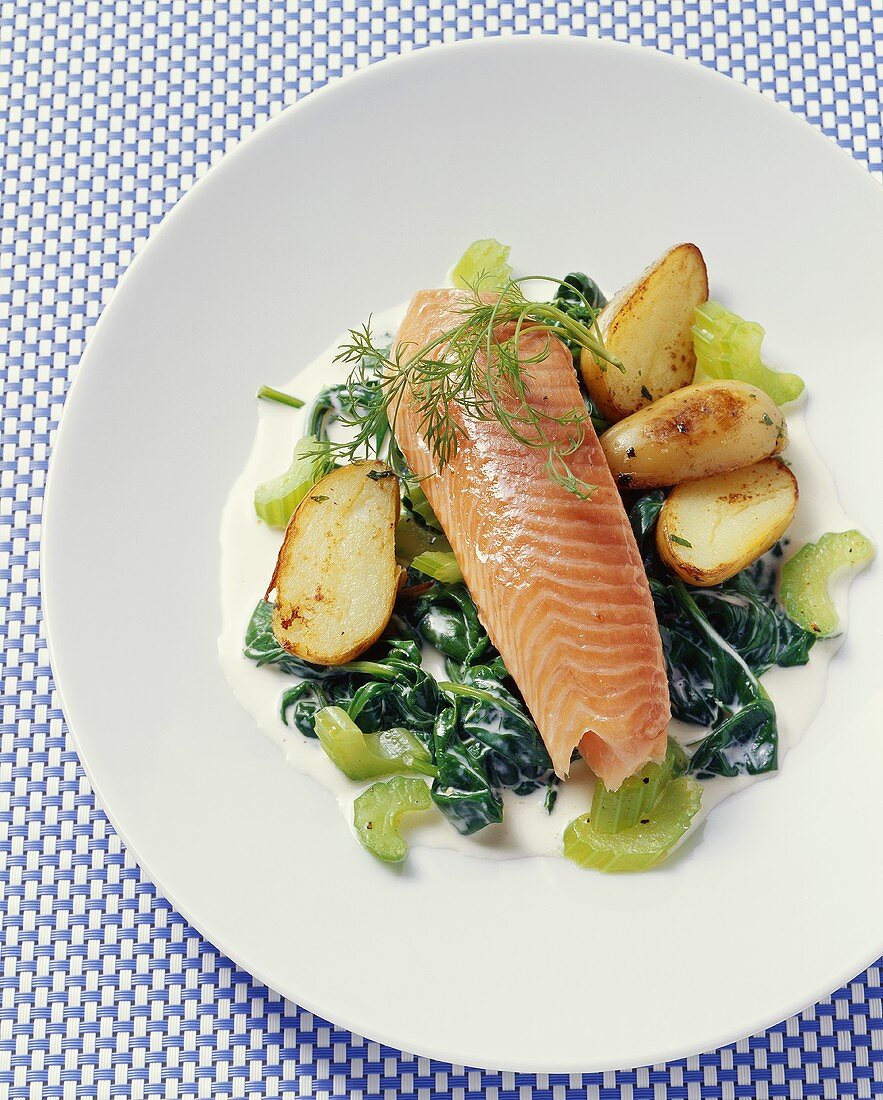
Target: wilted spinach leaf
[745, 742]
[349, 401]
[445, 616]
[744, 610]
[643, 516]
[581, 298]
[739, 741]
[300, 703]
[463, 790]
[396, 692]
[493, 716]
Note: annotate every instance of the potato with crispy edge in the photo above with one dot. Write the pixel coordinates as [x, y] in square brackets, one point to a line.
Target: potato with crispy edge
[336, 576]
[711, 529]
[648, 326]
[700, 430]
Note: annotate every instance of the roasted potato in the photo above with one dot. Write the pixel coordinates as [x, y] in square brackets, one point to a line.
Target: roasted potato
[703, 429]
[648, 327]
[709, 530]
[336, 576]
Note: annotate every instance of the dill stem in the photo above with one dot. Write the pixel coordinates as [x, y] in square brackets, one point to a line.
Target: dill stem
[267, 393]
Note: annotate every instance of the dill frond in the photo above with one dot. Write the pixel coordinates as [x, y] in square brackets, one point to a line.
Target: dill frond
[447, 380]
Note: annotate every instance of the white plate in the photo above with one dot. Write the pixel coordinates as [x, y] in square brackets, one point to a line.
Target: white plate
[580, 155]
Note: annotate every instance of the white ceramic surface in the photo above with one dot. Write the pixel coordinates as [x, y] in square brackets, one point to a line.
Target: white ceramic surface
[580, 155]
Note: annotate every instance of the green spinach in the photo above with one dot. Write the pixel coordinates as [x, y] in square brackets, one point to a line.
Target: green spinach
[717, 642]
[492, 715]
[463, 790]
[445, 616]
[581, 298]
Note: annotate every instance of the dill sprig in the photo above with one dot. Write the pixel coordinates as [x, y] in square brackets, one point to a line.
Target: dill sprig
[448, 381]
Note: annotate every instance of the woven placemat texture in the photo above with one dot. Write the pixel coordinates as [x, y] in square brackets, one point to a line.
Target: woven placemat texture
[108, 113]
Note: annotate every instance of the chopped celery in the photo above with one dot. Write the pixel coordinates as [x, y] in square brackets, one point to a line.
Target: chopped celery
[483, 266]
[804, 587]
[727, 346]
[366, 755]
[415, 501]
[376, 814]
[413, 539]
[276, 500]
[438, 565]
[644, 844]
[613, 811]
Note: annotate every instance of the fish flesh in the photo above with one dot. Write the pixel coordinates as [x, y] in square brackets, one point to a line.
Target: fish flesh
[557, 580]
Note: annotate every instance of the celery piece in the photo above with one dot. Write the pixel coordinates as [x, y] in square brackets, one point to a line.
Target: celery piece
[376, 814]
[367, 755]
[275, 500]
[415, 500]
[438, 565]
[614, 811]
[413, 539]
[803, 591]
[644, 844]
[727, 346]
[483, 266]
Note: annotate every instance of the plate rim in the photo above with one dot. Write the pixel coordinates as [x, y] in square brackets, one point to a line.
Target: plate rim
[168, 221]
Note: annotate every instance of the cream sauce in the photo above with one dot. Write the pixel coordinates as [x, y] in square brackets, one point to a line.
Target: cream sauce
[248, 554]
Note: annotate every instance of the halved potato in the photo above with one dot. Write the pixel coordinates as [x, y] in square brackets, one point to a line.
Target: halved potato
[703, 429]
[648, 327]
[709, 530]
[336, 576]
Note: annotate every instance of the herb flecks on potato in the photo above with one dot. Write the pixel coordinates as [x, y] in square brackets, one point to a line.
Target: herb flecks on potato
[704, 429]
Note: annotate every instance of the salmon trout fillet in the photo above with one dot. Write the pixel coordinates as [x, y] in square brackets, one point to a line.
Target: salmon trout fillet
[558, 581]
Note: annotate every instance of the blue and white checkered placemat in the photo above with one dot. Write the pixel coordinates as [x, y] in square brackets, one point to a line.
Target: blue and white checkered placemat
[108, 113]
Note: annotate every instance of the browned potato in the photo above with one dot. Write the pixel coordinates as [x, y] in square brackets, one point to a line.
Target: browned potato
[648, 327]
[709, 530]
[336, 577]
[703, 429]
